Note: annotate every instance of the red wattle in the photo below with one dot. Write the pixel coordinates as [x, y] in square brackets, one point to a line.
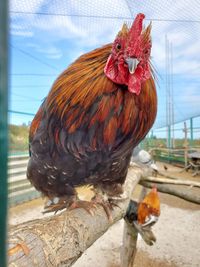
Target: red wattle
[135, 80]
[134, 84]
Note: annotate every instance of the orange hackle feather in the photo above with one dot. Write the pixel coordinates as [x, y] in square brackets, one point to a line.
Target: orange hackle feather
[68, 85]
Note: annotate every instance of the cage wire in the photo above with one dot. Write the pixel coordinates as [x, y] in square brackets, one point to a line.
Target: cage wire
[48, 35]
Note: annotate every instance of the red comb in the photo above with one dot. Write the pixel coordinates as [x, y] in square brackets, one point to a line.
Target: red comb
[136, 27]
[154, 188]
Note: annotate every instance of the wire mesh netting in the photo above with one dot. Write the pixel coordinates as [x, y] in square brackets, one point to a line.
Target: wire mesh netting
[47, 35]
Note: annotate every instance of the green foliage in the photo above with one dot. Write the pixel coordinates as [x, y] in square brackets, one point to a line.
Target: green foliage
[18, 138]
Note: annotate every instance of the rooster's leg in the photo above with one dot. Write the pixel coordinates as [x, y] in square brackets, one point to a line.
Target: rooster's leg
[99, 199]
[89, 206]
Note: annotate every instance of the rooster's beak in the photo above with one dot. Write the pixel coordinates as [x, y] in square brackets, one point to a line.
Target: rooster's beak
[152, 220]
[132, 64]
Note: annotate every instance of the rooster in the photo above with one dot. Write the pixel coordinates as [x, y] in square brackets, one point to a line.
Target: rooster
[141, 216]
[149, 208]
[96, 112]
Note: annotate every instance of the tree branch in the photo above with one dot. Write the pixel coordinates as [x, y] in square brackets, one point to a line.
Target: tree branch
[170, 181]
[61, 239]
[167, 175]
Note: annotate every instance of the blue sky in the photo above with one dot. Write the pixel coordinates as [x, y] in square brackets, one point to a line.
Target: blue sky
[42, 46]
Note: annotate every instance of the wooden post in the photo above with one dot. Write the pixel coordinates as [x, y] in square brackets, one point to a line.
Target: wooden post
[128, 252]
[130, 236]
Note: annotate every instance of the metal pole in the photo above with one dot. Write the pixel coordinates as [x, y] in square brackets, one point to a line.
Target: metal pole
[169, 96]
[3, 127]
[168, 92]
[169, 136]
[172, 97]
[191, 132]
[185, 144]
[167, 89]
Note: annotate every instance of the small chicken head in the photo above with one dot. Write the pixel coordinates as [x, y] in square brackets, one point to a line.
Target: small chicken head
[128, 62]
[149, 208]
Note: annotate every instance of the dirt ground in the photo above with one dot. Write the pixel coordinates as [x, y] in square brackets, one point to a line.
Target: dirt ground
[177, 232]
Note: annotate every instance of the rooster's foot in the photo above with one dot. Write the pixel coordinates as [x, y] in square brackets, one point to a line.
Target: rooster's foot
[89, 206]
[57, 203]
[107, 205]
[69, 203]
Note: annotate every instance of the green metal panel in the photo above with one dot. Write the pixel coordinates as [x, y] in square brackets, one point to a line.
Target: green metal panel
[3, 127]
[24, 197]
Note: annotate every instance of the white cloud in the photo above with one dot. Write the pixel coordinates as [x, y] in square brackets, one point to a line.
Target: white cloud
[25, 6]
[22, 33]
[48, 51]
[77, 54]
[51, 52]
[65, 27]
[106, 8]
[187, 66]
[177, 38]
[157, 53]
[20, 21]
[192, 50]
[92, 32]
[62, 27]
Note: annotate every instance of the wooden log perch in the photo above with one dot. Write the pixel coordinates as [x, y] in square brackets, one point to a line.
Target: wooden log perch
[170, 181]
[166, 175]
[61, 239]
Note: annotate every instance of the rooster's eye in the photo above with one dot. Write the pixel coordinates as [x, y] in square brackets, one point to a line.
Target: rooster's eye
[118, 46]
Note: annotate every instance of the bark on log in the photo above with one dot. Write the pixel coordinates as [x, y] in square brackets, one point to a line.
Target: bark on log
[172, 190]
[61, 239]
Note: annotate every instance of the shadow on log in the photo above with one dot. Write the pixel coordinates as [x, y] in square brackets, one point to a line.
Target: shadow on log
[61, 239]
